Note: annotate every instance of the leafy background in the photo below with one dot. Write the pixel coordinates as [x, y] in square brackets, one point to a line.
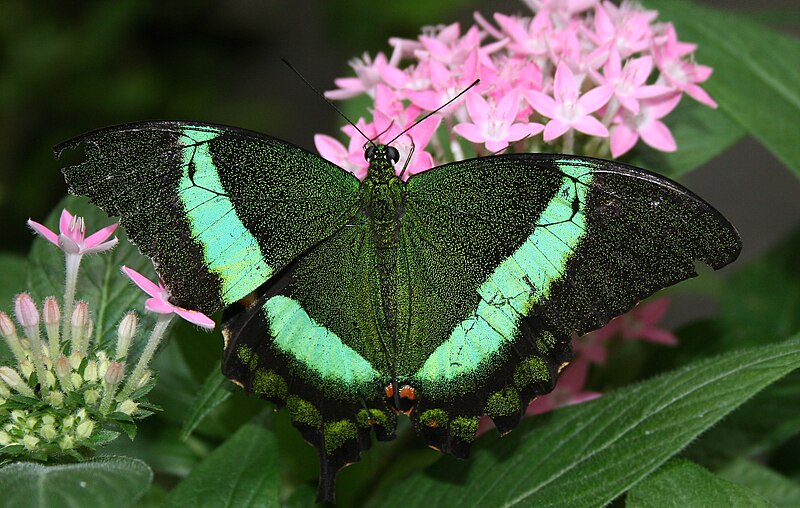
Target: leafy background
[715, 421]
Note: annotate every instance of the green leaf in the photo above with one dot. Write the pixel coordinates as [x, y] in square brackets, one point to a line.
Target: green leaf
[701, 134]
[587, 455]
[103, 482]
[681, 483]
[756, 71]
[770, 485]
[215, 390]
[12, 281]
[243, 471]
[762, 424]
[109, 293]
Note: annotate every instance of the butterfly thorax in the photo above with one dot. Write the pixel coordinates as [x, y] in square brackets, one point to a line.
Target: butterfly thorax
[382, 204]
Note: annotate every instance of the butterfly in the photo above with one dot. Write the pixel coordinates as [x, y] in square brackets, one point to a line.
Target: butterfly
[445, 297]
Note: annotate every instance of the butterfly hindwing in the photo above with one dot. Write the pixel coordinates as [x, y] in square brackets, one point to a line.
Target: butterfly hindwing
[312, 342]
[219, 209]
[511, 255]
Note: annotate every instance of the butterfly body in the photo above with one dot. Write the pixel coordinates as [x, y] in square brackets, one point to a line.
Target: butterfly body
[448, 296]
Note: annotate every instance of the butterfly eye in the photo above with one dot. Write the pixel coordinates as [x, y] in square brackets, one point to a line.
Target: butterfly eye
[369, 153]
[392, 153]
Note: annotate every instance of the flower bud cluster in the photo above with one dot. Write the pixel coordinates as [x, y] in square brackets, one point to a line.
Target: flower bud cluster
[62, 394]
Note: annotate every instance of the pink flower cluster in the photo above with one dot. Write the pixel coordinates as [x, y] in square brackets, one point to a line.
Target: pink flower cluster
[579, 76]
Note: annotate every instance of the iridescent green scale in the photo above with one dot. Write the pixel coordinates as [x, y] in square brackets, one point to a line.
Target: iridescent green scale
[446, 297]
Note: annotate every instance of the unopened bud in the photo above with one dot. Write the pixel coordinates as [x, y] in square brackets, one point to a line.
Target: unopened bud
[5, 438]
[4, 391]
[68, 422]
[55, 399]
[50, 379]
[52, 321]
[75, 360]
[84, 430]
[91, 397]
[26, 368]
[11, 378]
[90, 372]
[78, 324]
[30, 442]
[9, 333]
[76, 380]
[128, 407]
[19, 416]
[26, 312]
[66, 443]
[48, 432]
[125, 334]
[63, 370]
[114, 373]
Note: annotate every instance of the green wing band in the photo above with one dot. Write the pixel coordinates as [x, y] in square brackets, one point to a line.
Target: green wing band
[230, 249]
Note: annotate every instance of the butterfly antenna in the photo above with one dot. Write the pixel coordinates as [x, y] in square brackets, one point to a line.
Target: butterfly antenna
[462, 92]
[334, 106]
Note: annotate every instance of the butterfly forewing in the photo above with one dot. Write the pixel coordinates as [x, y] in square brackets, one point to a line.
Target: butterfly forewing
[219, 209]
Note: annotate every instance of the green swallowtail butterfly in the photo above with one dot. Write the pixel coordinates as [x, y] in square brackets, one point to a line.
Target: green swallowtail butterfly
[446, 297]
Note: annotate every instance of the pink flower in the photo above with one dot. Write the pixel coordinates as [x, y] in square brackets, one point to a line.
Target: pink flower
[495, 126]
[681, 73]
[641, 323]
[628, 82]
[526, 40]
[645, 124]
[159, 300]
[569, 109]
[71, 238]
[564, 9]
[626, 28]
[368, 72]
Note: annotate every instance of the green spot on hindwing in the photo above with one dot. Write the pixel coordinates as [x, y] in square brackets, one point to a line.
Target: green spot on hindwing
[434, 418]
[531, 370]
[303, 411]
[338, 433]
[505, 402]
[247, 356]
[267, 383]
[464, 427]
[545, 342]
[229, 248]
[369, 417]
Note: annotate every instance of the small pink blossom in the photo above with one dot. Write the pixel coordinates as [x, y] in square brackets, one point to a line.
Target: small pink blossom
[496, 126]
[527, 37]
[646, 124]
[680, 72]
[626, 28]
[570, 109]
[159, 300]
[72, 235]
[368, 72]
[629, 82]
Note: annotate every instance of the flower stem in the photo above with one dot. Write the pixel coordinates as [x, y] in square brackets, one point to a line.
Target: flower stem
[569, 142]
[32, 333]
[72, 266]
[147, 355]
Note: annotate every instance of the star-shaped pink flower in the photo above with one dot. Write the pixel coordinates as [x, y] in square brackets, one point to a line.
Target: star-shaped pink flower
[159, 300]
[646, 124]
[72, 235]
[568, 109]
[680, 72]
[495, 126]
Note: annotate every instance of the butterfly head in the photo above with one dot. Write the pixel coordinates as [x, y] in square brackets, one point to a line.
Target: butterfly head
[382, 159]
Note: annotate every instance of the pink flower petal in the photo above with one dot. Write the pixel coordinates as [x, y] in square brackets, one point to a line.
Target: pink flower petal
[100, 236]
[554, 129]
[622, 139]
[659, 336]
[143, 282]
[495, 146]
[45, 233]
[542, 103]
[159, 306]
[195, 317]
[330, 148]
[595, 98]
[64, 222]
[564, 84]
[657, 135]
[591, 126]
[101, 247]
[701, 96]
[479, 110]
[469, 131]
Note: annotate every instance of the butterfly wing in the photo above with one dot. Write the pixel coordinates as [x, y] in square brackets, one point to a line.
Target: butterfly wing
[508, 256]
[220, 210]
[313, 343]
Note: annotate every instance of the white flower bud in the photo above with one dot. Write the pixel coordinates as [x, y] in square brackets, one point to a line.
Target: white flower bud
[128, 407]
[66, 443]
[125, 334]
[26, 368]
[90, 372]
[91, 397]
[48, 432]
[84, 430]
[75, 360]
[5, 438]
[76, 379]
[55, 399]
[30, 442]
[11, 378]
[68, 422]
